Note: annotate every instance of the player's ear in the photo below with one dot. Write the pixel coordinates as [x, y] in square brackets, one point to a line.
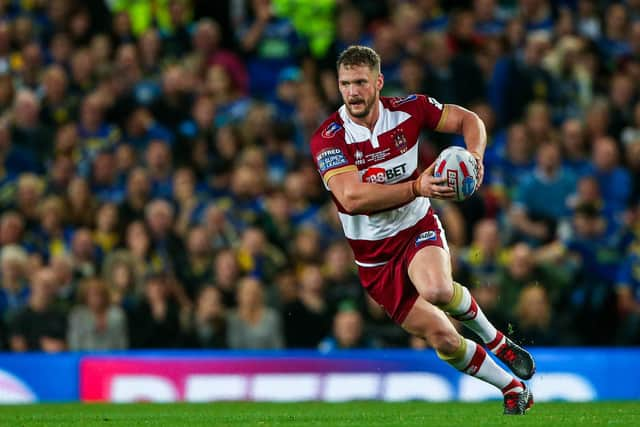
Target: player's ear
[379, 81]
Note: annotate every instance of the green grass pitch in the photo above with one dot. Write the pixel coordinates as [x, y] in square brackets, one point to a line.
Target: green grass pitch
[320, 414]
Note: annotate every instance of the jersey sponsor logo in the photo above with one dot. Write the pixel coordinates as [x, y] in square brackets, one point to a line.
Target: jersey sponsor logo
[382, 175]
[435, 103]
[426, 236]
[331, 158]
[359, 157]
[331, 130]
[399, 100]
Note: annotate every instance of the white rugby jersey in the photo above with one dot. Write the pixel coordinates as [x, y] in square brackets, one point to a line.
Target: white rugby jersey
[387, 155]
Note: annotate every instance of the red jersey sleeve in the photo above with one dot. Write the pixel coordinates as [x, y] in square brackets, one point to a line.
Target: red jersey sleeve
[330, 152]
[432, 112]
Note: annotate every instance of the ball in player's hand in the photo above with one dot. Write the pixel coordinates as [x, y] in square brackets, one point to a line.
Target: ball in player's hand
[461, 170]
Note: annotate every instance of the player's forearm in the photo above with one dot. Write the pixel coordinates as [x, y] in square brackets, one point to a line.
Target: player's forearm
[369, 197]
[475, 134]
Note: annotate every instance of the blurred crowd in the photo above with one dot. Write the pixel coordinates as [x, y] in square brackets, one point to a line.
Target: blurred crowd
[156, 187]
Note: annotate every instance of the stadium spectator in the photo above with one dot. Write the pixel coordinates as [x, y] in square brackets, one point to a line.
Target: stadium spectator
[208, 322]
[155, 321]
[522, 269]
[58, 107]
[598, 248]
[614, 180]
[11, 229]
[123, 275]
[96, 323]
[172, 107]
[190, 204]
[252, 325]
[306, 321]
[348, 331]
[226, 274]
[107, 228]
[67, 289]
[104, 182]
[482, 259]
[27, 132]
[445, 66]
[518, 81]
[633, 163]
[159, 218]
[514, 161]
[207, 38]
[160, 167]
[575, 157]
[14, 292]
[628, 299]
[137, 195]
[541, 199]
[39, 326]
[533, 324]
[341, 278]
[81, 206]
[270, 43]
[196, 270]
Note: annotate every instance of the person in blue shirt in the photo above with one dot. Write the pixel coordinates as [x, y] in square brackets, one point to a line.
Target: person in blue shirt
[510, 161]
[541, 199]
[271, 44]
[614, 180]
[596, 251]
[487, 20]
[574, 147]
[94, 132]
[628, 297]
[613, 44]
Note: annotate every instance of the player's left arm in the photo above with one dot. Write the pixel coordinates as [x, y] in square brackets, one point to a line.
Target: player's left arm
[456, 119]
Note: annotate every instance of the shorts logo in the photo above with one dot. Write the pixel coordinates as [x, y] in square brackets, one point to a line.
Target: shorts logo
[427, 235]
[399, 101]
[331, 158]
[331, 130]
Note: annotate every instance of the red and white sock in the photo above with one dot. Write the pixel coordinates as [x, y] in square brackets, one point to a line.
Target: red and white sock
[472, 359]
[495, 344]
[463, 307]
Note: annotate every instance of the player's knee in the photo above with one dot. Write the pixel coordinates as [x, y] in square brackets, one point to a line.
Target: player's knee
[445, 341]
[438, 290]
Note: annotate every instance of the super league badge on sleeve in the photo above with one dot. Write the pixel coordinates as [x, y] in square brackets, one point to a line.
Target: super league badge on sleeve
[331, 158]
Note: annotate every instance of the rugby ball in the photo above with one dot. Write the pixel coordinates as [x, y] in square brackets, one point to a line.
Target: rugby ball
[461, 170]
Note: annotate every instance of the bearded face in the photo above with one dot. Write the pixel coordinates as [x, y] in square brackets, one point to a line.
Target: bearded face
[360, 89]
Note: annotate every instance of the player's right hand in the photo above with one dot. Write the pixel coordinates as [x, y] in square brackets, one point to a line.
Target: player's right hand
[427, 185]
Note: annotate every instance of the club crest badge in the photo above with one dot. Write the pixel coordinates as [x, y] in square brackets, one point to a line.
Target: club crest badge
[400, 140]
